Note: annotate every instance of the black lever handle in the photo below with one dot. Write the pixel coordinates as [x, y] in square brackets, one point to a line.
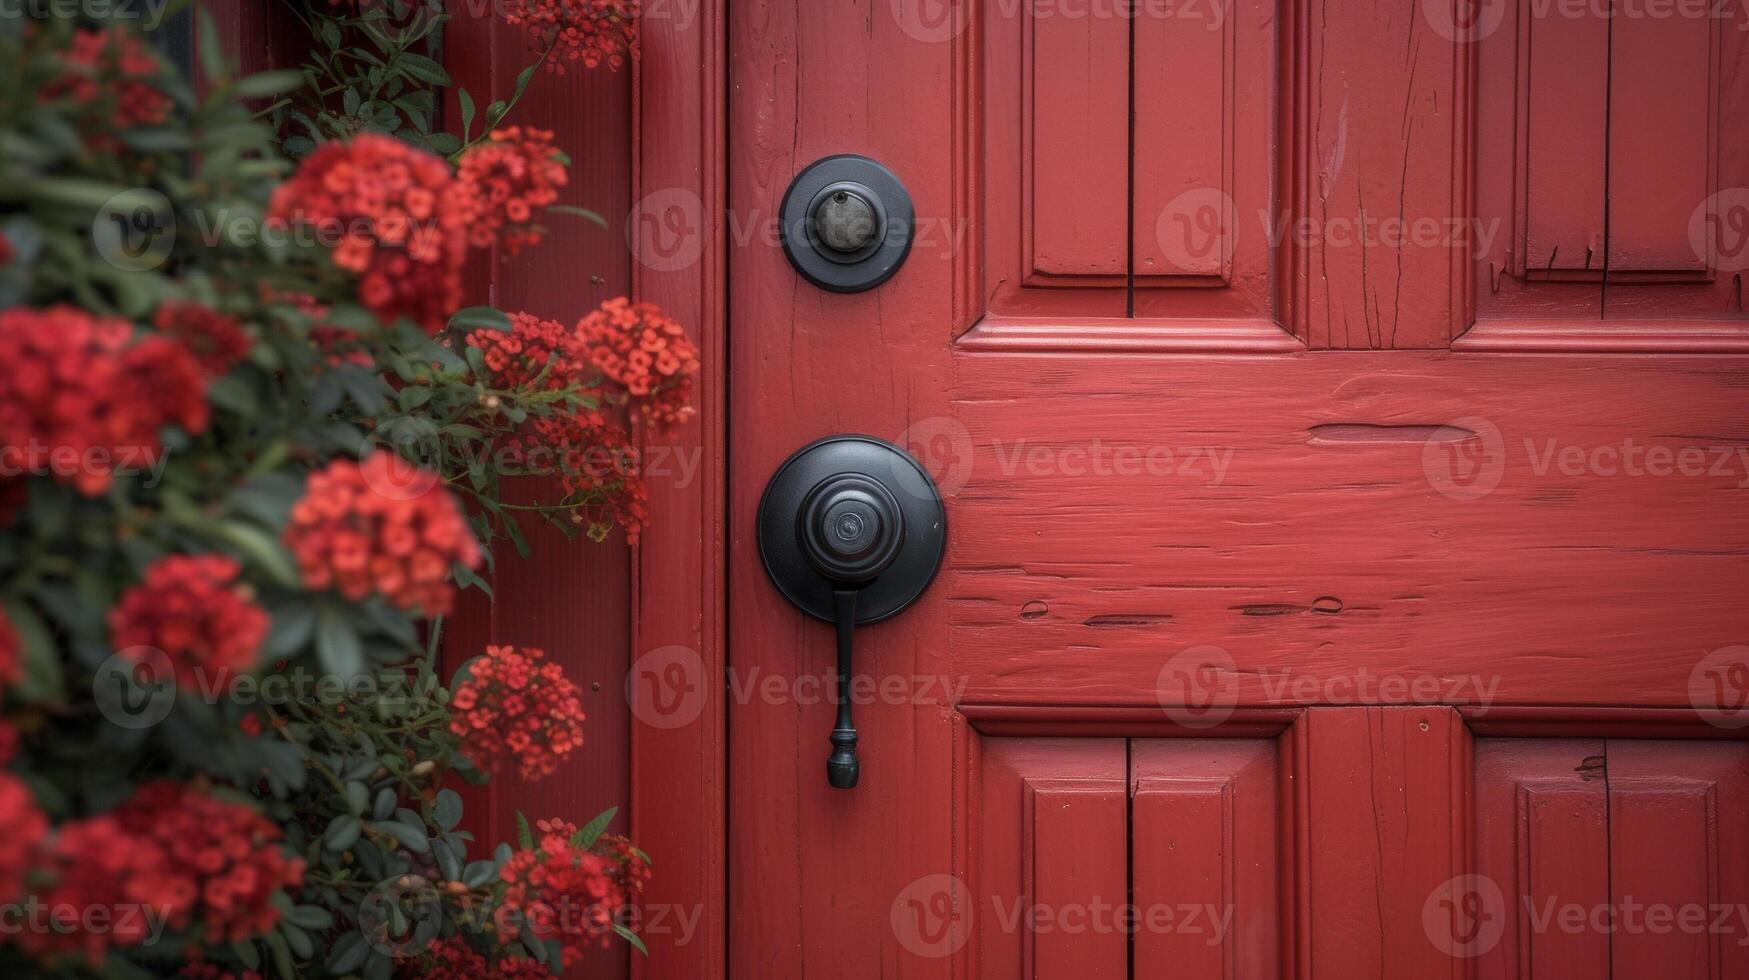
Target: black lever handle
[851, 530]
[843, 768]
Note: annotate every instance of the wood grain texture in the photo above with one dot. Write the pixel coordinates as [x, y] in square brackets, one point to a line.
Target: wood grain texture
[1387, 833]
[679, 779]
[1206, 859]
[1383, 143]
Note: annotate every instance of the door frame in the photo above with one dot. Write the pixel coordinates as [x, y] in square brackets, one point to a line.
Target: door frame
[679, 774]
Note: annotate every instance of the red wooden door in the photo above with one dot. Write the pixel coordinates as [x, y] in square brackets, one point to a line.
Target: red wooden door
[1340, 412]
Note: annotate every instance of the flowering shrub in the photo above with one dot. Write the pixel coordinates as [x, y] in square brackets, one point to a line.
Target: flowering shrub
[242, 479]
[511, 704]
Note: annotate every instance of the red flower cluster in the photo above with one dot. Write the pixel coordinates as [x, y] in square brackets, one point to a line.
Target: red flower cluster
[116, 65]
[511, 705]
[11, 654]
[558, 891]
[25, 829]
[217, 341]
[380, 526]
[532, 346]
[454, 959]
[188, 857]
[509, 178]
[78, 401]
[590, 31]
[191, 609]
[646, 352]
[597, 466]
[390, 213]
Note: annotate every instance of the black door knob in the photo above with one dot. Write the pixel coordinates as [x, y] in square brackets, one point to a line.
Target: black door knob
[851, 530]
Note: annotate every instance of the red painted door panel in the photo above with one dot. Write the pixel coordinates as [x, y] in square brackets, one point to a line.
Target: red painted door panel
[1341, 425]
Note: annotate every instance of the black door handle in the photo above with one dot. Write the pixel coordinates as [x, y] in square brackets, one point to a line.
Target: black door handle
[851, 530]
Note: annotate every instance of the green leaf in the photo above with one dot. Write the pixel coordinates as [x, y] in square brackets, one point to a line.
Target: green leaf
[413, 838]
[260, 550]
[311, 917]
[467, 102]
[424, 69]
[338, 646]
[357, 797]
[384, 807]
[43, 681]
[479, 318]
[479, 874]
[524, 836]
[592, 831]
[630, 937]
[447, 809]
[269, 83]
[342, 833]
[348, 954]
[584, 213]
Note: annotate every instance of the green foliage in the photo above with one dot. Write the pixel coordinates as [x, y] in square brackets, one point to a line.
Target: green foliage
[342, 737]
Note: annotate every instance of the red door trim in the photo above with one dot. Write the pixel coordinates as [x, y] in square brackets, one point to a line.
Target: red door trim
[679, 772]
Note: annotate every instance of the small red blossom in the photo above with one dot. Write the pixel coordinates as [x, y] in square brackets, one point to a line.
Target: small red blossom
[25, 829]
[7, 251]
[508, 179]
[571, 894]
[391, 215]
[79, 400]
[647, 353]
[217, 341]
[591, 31]
[115, 70]
[452, 958]
[532, 350]
[512, 705]
[191, 609]
[374, 527]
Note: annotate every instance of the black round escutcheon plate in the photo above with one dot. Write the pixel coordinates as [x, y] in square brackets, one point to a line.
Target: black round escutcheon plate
[868, 267]
[924, 522]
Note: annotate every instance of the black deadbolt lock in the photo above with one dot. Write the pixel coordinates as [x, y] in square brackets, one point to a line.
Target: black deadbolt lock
[846, 223]
[851, 530]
